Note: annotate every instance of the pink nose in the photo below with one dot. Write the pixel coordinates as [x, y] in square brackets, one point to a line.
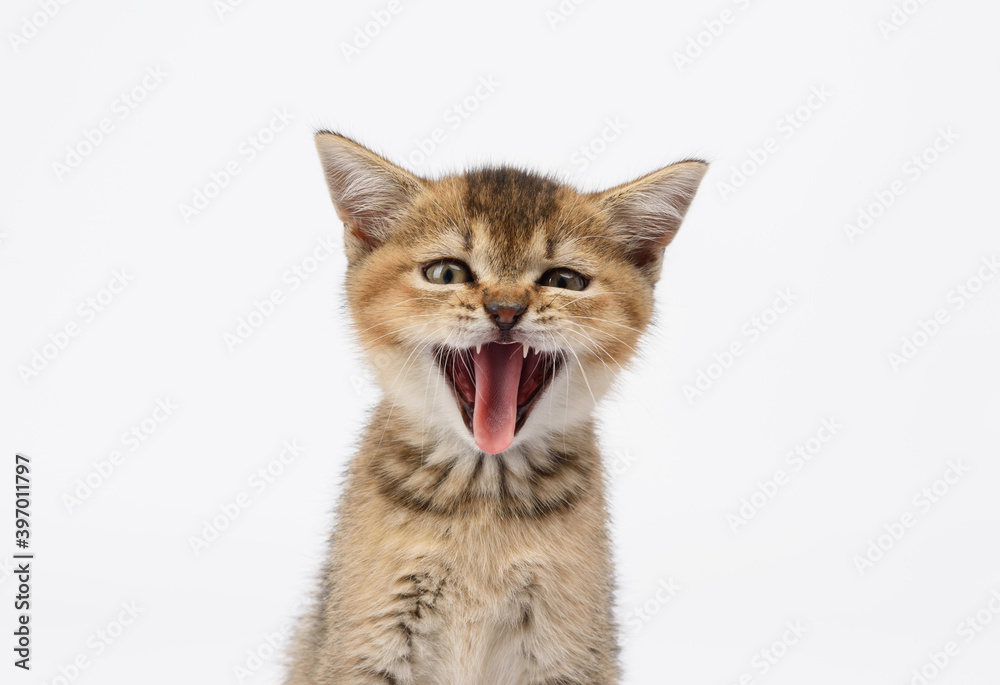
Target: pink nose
[505, 314]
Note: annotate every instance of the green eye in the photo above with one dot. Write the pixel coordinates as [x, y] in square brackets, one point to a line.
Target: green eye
[447, 272]
[563, 278]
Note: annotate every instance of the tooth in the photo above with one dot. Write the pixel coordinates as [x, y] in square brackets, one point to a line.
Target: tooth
[479, 348]
[525, 350]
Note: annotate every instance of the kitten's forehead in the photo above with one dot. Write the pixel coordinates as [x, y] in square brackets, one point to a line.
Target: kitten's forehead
[511, 200]
[517, 216]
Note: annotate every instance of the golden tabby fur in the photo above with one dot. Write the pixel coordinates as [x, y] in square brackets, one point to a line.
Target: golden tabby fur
[451, 564]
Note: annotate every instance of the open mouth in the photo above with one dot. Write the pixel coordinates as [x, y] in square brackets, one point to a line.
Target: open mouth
[496, 385]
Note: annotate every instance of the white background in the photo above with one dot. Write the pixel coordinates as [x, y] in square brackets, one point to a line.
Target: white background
[682, 466]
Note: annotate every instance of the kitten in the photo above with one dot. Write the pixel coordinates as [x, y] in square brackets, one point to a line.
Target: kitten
[496, 305]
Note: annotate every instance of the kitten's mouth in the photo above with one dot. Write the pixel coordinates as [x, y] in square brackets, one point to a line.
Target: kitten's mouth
[496, 385]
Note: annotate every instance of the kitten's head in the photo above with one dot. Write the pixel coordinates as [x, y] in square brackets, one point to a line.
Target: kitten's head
[497, 305]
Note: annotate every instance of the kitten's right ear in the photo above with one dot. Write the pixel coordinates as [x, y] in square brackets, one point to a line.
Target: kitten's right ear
[648, 211]
[368, 191]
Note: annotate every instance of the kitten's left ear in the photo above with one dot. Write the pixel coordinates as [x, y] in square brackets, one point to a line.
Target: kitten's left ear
[647, 212]
[369, 192]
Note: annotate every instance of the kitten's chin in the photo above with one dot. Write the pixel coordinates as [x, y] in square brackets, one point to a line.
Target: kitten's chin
[496, 386]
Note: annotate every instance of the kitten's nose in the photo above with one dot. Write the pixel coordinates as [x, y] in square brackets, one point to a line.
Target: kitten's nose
[505, 314]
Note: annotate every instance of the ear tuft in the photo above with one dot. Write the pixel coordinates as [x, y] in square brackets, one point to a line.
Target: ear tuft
[368, 191]
[648, 212]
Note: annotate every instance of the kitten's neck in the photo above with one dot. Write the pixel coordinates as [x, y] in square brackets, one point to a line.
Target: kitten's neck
[426, 472]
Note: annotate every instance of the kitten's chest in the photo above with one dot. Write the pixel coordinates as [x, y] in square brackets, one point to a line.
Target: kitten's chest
[476, 630]
[486, 566]
[478, 556]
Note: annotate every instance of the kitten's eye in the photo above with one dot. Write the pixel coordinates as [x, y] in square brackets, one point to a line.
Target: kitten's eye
[563, 278]
[447, 272]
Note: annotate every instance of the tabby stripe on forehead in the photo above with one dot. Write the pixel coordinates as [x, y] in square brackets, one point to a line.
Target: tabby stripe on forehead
[511, 203]
[550, 247]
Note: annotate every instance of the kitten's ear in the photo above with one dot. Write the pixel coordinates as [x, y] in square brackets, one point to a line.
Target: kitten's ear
[648, 211]
[368, 191]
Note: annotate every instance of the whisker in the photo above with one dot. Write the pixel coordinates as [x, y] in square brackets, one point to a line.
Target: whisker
[580, 364]
[550, 337]
[586, 296]
[412, 299]
[427, 384]
[590, 344]
[615, 323]
[397, 330]
[394, 390]
[398, 318]
[594, 328]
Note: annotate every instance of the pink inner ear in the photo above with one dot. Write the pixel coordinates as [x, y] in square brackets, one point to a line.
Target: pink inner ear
[364, 216]
[367, 238]
[647, 250]
[354, 225]
[649, 211]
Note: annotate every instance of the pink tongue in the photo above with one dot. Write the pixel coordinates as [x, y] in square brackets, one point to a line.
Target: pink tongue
[498, 372]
